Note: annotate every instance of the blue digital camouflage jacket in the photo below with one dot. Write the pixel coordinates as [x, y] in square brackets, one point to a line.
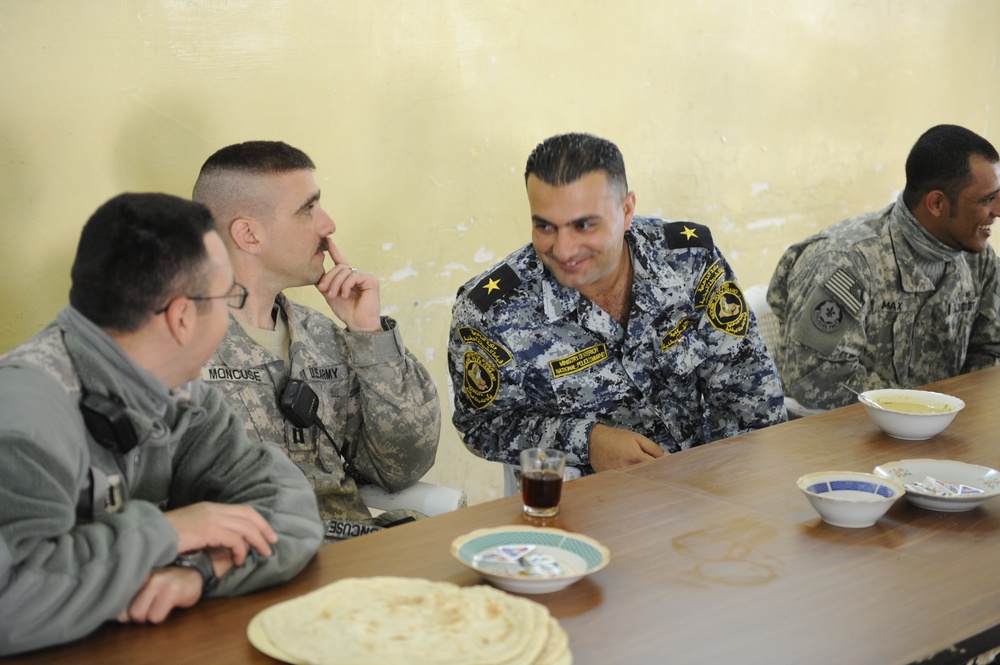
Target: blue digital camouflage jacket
[536, 363]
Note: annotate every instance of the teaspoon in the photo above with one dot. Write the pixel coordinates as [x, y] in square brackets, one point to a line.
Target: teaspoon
[865, 398]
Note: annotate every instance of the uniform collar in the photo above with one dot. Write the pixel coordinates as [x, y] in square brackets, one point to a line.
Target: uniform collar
[651, 280]
[911, 240]
[238, 347]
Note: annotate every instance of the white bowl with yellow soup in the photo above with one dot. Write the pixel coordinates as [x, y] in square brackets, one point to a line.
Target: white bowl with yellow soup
[913, 415]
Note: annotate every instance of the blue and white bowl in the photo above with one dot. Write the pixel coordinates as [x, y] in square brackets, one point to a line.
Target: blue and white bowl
[850, 498]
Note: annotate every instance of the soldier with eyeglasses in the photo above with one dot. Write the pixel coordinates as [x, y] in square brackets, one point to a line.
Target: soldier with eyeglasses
[128, 487]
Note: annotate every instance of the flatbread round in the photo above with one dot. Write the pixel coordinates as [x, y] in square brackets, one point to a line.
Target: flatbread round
[556, 649]
[414, 621]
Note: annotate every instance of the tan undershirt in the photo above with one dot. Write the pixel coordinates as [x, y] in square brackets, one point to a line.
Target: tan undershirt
[276, 341]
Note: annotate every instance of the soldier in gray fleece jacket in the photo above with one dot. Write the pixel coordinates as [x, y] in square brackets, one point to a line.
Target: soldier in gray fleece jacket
[127, 487]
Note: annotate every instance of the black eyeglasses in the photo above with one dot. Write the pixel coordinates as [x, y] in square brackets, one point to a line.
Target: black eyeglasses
[235, 300]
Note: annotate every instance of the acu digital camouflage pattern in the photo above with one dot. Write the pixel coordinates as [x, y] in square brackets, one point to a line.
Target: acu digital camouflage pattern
[535, 363]
[375, 399]
[857, 306]
[46, 351]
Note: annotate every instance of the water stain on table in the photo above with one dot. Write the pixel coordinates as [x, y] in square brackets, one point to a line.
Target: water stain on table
[730, 554]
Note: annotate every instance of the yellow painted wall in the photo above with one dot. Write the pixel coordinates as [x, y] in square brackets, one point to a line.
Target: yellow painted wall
[765, 119]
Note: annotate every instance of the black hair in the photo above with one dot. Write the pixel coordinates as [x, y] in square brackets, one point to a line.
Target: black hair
[939, 160]
[258, 157]
[564, 159]
[136, 252]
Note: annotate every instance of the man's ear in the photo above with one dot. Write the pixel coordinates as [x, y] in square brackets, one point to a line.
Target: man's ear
[629, 209]
[244, 232]
[180, 317]
[937, 203]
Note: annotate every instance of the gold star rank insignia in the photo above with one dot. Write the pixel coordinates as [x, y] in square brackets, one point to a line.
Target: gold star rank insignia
[685, 235]
[494, 286]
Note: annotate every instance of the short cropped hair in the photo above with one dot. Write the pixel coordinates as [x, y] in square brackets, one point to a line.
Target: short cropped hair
[135, 253]
[227, 182]
[565, 158]
[258, 157]
[939, 160]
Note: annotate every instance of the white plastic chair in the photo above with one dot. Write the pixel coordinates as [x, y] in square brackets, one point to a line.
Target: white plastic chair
[770, 330]
[422, 497]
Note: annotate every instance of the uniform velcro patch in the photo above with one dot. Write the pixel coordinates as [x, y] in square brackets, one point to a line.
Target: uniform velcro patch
[491, 288]
[497, 352]
[687, 234]
[676, 334]
[481, 380]
[235, 374]
[727, 310]
[846, 290]
[579, 361]
[706, 285]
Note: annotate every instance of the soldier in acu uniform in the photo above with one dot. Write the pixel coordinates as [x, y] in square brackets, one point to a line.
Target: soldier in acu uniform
[377, 416]
[614, 337]
[902, 297]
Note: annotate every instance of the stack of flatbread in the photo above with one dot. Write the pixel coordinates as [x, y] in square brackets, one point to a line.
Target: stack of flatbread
[391, 620]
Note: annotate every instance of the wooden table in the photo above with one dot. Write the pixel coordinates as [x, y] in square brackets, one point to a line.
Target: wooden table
[717, 557]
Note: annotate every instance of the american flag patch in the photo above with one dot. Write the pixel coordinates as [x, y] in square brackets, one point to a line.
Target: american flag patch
[846, 290]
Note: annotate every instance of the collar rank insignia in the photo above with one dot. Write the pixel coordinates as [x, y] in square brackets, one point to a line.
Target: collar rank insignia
[680, 235]
[494, 286]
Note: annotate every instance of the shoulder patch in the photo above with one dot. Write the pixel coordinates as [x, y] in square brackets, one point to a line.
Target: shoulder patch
[491, 288]
[497, 352]
[846, 290]
[827, 316]
[706, 285]
[727, 310]
[687, 234]
[480, 380]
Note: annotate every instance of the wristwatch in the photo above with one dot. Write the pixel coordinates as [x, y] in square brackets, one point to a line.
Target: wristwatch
[201, 562]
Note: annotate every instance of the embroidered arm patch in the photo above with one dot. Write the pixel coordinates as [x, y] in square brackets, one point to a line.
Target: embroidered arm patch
[480, 381]
[847, 291]
[497, 352]
[706, 285]
[829, 314]
[727, 310]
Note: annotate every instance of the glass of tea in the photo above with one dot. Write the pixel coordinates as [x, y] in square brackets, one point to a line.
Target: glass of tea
[541, 480]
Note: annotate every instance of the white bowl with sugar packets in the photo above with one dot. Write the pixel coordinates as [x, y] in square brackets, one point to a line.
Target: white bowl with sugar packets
[943, 485]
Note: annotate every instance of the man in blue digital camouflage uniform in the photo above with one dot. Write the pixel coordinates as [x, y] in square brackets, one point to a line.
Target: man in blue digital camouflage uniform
[613, 337]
